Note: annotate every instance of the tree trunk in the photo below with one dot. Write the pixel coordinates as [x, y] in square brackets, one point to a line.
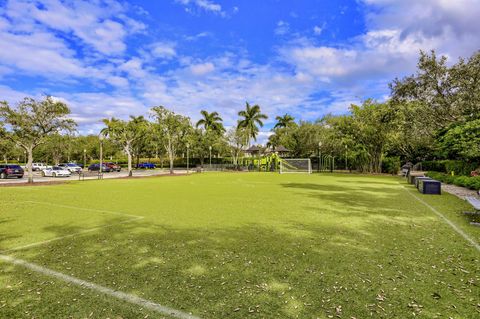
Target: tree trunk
[129, 156]
[29, 164]
[171, 162]
[170, 151]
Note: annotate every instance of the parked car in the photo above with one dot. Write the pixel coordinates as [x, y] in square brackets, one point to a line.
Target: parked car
[10, 170]
[96, 167]
[72, 167]
[114, 167]
[56, 171]
[38, 166]
[146, 165]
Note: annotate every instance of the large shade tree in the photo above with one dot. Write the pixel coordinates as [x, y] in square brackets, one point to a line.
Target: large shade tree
[235, 138]
[32, 121]
[250, 120]
[173, 130]
[126, 134]
[446, 94]
[369, 128]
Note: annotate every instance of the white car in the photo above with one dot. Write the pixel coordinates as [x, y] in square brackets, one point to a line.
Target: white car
[72, 167]
[38, 166]
[56, 171]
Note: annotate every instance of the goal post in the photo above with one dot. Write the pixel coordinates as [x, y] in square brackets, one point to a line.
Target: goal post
[295, 165]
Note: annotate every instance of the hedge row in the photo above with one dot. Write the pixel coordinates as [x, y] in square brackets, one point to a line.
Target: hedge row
[448, 166]
[464, 181]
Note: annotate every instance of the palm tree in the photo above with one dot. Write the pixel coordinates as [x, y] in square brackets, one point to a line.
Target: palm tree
[284, 121]
[252, 116]
[211, 122]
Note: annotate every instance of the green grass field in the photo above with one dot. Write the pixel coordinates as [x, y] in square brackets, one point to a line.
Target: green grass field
[237, 245]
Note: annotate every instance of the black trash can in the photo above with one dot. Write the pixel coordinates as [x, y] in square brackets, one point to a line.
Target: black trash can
[430, 186]
[420, 178]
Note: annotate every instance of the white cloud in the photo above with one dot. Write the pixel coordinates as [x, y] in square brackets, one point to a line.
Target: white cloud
[133, 67]
[163, 50]
[39, 53]
[317, 30]
[205, 5]
[398, 30]
[101, 24]
[449, 26]
[202, 68]
[282, 28]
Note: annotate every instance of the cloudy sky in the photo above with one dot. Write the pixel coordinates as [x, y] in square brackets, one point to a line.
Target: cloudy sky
[306, 58]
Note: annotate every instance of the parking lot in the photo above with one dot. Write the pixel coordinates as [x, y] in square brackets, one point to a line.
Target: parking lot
[38, 178]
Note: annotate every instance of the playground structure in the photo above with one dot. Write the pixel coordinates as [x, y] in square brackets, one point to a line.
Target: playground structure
[265, 163]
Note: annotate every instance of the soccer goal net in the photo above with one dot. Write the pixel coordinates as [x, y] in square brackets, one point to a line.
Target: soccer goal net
[295, 165]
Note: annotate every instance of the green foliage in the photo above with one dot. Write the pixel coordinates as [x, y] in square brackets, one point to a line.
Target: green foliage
[462, 141]
[368, 130]
[448, 166]
[211, 122]
[472, 182]
[173, 130]
[128, 134]
[284, 121]
[438, 98]
[448, 94]
[31, 122]
[391, 165]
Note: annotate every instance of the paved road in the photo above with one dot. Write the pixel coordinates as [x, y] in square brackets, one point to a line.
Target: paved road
[37, 178]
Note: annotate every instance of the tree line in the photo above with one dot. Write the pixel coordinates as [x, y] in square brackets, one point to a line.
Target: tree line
[432, 114]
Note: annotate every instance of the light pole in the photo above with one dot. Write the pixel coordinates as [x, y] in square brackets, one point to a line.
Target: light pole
[84, 158]
[319, 157]
[210, 149]
[100, 137]
[188, 147]
[346, 157]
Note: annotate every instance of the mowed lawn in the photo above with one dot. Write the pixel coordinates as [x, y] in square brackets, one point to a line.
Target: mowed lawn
[238, 245]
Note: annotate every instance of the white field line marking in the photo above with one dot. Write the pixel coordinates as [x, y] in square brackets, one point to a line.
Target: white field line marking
[89, 230]
[134, 218]
[445, 219]
[107, 291]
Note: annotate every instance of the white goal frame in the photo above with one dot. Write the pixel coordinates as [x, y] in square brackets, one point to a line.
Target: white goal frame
[286, 169]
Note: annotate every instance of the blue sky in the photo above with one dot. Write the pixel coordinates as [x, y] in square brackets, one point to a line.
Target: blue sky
[306, 58]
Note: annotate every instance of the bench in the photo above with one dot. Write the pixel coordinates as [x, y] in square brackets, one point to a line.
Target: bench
[82, 175]
[476, 205]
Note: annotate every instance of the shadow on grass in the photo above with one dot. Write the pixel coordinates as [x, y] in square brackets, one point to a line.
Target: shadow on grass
[351, 199]
[260, 271]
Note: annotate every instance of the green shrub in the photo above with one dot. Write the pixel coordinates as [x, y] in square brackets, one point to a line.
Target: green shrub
[436, 166]
[391, 165]
[464, 181]
[448, 166]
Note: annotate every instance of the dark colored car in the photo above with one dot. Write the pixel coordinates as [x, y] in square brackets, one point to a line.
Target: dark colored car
[10, 170]
[146, 165]
[96, 167]
[114, 167]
